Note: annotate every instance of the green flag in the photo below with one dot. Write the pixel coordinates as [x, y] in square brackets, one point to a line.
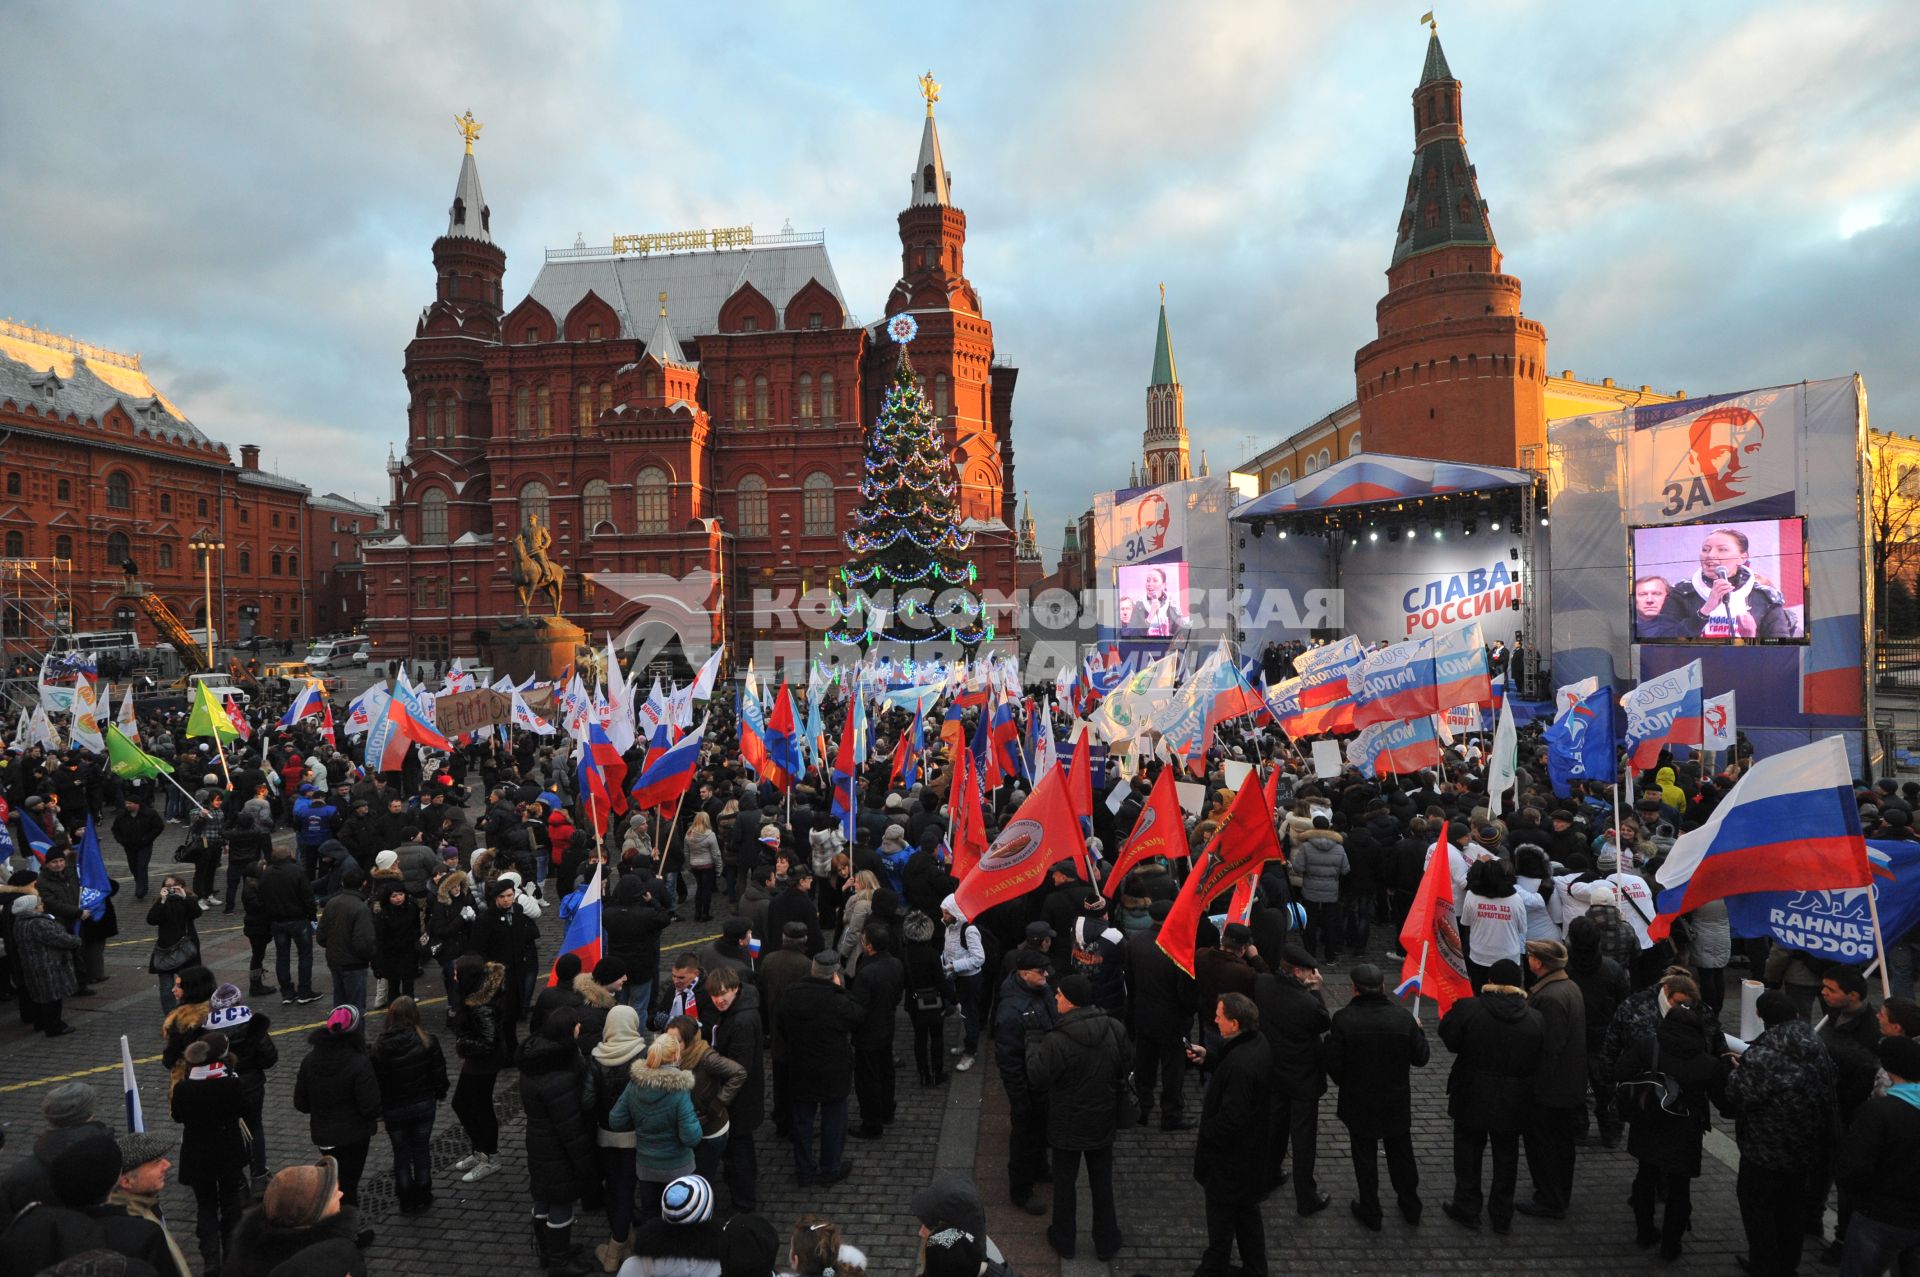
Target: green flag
[208, 718]
[128, 760]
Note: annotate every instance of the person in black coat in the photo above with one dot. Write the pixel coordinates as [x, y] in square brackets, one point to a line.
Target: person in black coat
[1874, 1166]
[816, 1018]
[1373, 1045]
[1496, 1040]
[879, 984]
[340, 1093]
[503, 933]
[136, 829]
[794, 903]
[562, 1167]
[411, 1070]
[1665, 1143]
[741, 1037]
[1231, 1166]
[207, 1102]
[1160, 1015]
[1080, 1065]
[300, 1229]
[396, 940]
[632, 924]
[1294, 1021]
[1025, 1005]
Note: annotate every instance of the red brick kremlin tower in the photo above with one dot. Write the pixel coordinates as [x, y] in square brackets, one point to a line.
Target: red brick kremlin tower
[1457, 371]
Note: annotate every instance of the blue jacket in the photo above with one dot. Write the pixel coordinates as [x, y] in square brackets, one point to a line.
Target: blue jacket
[657, 1107]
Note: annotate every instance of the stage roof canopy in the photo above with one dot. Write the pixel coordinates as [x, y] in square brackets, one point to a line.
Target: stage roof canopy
[1374, 477]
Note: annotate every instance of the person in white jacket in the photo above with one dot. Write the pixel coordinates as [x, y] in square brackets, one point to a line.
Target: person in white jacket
[963, 957]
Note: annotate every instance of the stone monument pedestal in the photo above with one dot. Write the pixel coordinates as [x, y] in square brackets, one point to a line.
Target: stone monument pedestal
[540, 647]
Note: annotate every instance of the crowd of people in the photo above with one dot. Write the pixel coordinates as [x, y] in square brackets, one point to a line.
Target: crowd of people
[646, 1080]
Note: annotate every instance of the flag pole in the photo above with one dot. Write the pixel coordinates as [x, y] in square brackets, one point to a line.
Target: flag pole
[1419, 990]
[183, 791]
[1879, 941]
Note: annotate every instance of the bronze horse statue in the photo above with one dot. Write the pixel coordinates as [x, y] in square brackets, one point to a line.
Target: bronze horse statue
[533, 573]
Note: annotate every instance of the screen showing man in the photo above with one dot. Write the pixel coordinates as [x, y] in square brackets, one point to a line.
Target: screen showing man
[1720, 582]
[1151, 600]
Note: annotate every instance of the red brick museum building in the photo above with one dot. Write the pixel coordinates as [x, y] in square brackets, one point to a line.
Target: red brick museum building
[670, 404]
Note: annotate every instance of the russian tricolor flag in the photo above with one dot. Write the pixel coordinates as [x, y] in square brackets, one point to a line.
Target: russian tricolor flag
[405, 723]
[583, 931]
[1396, 683]
[667, 775]
[906, 755]
[1663, 711]
[1460, 672]
[1790, 824]
[309, 701]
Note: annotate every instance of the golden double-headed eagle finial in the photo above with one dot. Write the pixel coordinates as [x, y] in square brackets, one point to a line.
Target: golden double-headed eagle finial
[930, 90]
[469, 128]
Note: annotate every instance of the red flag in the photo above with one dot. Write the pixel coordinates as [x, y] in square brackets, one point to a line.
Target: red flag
[1043, 832]
[1244, 841]
[1435, 961]
[1159, 830]
[1080, 776]
[966, 823]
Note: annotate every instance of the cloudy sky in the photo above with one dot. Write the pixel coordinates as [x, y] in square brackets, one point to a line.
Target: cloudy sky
[1712, 195]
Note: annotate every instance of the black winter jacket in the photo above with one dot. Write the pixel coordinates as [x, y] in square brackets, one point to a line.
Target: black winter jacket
[1230, 1155]
[561, 1163]
[1080, 1065]
[877, 986]
[1690, 1055]
[741, 1037]
[261, 1249]
[816, 1019]
[338, 1091]
[633, 928]
[1163, 995]
[1876, 1158]
[407, 1069]
[285, 893]
[1373, 1045]
[1018, 1012]
[1496, 1040]
[1294, 1021]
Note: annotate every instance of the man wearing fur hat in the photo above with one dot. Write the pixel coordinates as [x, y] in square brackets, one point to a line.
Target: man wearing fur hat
[301, 1214]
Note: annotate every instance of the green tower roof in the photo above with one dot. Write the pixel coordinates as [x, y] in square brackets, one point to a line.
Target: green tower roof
[1436, 68]
[1164, 373]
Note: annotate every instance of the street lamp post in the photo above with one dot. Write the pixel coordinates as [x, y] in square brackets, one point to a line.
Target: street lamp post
[207, 549]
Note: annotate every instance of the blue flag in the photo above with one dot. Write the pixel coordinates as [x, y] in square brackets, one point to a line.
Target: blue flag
[1580, 742]
[1836, 925]
[95, 886]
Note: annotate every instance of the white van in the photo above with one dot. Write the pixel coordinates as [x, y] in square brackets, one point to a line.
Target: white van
[333, 653]
[97, 641]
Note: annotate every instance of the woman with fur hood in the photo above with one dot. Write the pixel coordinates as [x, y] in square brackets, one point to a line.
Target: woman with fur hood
[450, 918]
[657, 1107]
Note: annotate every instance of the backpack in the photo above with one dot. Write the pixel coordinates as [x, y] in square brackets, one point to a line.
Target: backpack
[1653, 1095]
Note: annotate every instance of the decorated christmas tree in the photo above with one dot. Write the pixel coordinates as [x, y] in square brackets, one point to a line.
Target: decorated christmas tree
[909, 580]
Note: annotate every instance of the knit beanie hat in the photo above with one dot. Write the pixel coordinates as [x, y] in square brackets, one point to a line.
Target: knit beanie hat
[687, 1200]
[85, 1171]
[344, 1020]
[297, 1196]
[386, 860]
[607, 970]
[748, 1247]
[227, 995]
